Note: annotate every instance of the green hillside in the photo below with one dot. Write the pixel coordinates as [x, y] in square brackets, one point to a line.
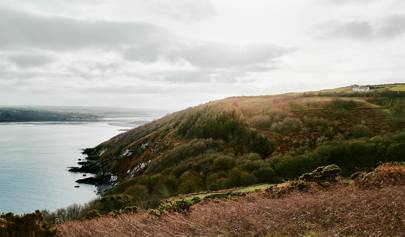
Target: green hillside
[241, 141]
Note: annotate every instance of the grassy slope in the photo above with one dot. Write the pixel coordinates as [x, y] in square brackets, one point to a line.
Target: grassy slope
[209, 147]
[257, 112]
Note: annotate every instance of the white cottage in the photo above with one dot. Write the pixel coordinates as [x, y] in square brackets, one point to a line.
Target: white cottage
[358, 88]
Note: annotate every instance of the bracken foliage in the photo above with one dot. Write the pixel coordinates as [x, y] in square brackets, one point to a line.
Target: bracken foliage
[30, 225]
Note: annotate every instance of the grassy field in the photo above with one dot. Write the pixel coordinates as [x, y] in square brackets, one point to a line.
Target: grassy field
[398, 88]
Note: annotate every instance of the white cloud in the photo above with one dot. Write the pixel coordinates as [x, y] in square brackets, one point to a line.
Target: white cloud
[163, 52]
[388, 27]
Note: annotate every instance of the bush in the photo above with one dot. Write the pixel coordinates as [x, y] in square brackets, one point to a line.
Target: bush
[396, 152]
[181, 206]
[226, 126]
[241, 178]
[91, 214]
[139, 193]
[25, 225]
[360, 131]
[189, 150]
[322, 174]
[112, 203]
[189, 182]
[341, 105]
[224, 163]
[72, 212]
[217, 181]
[131, 209]
[264, 175]
[288, 125]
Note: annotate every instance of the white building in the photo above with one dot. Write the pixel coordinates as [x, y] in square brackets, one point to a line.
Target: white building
[357, 88]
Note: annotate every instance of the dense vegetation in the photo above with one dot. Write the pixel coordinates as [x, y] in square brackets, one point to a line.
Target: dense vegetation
[247, 140]
[32, 225]
[371, 204]
[31, 115]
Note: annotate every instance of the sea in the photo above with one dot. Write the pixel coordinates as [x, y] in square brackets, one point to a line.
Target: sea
[34, 159]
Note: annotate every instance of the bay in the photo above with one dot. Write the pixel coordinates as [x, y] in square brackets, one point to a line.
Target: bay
[34, 158]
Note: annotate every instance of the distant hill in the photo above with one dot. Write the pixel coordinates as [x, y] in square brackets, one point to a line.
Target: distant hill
[36, 115]
[122, 116]
[241, 141]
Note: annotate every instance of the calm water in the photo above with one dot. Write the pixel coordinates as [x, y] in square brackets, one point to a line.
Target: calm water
[34, 160]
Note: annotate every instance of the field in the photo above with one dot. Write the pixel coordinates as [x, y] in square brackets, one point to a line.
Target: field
[398, 88]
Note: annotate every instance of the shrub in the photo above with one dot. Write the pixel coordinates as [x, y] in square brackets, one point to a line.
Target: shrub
[226, 126]
[341, 105]
[360, 131]
[138, 193]
[288, 125]
[189, 182]
[166, 185]
[112, 202]
[385, 174]
[189, 150]
[32, 224]
[277, 191]
[131, 209]
[396, 152]
[217, 181]
[251, 165]
[322, 174]
[241, 178]
[181, 205]
[72, 212]
[224, 163]
[264, 175]
[91, 214]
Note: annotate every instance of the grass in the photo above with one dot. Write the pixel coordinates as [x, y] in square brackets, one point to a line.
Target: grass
[398, 88]
[241, 190]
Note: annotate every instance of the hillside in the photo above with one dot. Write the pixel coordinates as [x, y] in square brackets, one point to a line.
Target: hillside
[303, 161]
[320, 203]
[241, 141]
[371, 205]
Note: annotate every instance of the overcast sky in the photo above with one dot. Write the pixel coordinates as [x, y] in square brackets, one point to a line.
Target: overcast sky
[176, 53]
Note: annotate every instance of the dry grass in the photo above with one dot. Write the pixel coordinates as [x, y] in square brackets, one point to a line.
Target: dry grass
[337, 211]
[386, 174]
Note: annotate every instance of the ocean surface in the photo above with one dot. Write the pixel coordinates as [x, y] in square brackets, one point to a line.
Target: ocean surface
[34, 158]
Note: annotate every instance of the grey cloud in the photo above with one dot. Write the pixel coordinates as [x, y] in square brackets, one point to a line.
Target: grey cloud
[388, 27]
[392, 26]
[217, 62]
[24, 60]
[184, 10]
[179, 10]
[216, 55]
[341, 2]
[141, 42]
[353, 29]
[19, 29]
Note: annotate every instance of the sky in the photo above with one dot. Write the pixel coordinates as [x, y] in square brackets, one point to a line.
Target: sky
[168, 54]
